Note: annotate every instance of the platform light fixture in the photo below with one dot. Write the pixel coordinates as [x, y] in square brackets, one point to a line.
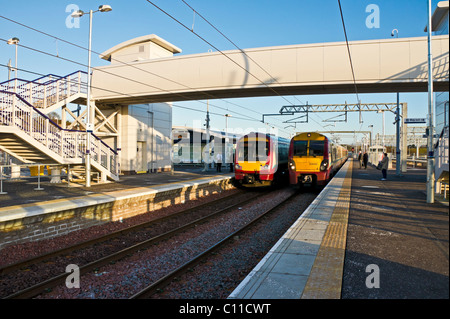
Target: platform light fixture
[102, 8]
[14, 41]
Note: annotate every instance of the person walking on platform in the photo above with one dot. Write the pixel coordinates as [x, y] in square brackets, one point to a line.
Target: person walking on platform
[384, 166]
[359, 159]
[219, 162]
[365, 159]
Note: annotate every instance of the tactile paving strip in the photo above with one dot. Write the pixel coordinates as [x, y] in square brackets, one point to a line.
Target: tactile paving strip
[325, 280]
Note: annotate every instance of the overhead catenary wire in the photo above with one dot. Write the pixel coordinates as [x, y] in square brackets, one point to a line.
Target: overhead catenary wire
[112, 91]
[208, 95]
[68, 42]
[169, 79]
[234, 44]
[243, 52]
[349, 53]
[218, 50]
[131, 96]
[123, 77]
[81, 47]
[84, 85]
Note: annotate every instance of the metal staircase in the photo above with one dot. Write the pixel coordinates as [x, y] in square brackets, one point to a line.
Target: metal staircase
[28, 134]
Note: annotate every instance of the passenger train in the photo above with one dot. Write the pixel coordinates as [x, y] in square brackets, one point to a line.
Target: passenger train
[314, 159]
[190, 145]
[261, 160]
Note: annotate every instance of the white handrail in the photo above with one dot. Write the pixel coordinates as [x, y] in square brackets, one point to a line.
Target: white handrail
[17, 112]
[44, 95]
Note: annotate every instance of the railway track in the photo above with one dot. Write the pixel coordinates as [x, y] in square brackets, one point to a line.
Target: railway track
[24, 263]
[155, 249]
[48, 284]
[160, 284]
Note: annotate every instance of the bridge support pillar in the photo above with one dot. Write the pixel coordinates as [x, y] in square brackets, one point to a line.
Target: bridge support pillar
[404, 138]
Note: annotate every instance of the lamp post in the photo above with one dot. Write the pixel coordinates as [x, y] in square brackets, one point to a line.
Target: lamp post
[89, 125]
[398, 163]
[9, 69]
[371, 133]
[430, 149]
[15, 41]
[382, 114]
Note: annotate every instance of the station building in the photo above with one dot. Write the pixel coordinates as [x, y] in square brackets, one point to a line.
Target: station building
[144, 139]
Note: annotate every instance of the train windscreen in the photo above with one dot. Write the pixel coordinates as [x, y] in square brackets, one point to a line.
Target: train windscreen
[316, 148]
[300, 148]
[251, 151]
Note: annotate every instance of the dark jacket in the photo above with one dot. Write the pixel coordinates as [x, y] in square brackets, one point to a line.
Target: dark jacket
[385, 162]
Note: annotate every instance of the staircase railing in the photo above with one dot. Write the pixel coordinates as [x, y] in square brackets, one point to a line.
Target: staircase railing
[441, 150]
[17, 112]
[48, 90]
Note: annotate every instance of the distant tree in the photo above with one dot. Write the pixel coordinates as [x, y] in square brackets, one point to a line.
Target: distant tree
[54, 116]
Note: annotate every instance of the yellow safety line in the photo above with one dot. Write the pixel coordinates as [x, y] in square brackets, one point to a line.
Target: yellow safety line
[325, 279]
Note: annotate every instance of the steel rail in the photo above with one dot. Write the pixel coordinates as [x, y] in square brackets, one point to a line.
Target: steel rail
[52, 282]
[21, 264]
[164, 281]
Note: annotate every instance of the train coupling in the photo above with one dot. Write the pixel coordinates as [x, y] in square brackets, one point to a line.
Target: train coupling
[248, 179]
[306, 179]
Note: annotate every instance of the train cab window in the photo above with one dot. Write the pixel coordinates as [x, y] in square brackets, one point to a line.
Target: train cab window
[316, 148]
[254, 151]
[300, 148]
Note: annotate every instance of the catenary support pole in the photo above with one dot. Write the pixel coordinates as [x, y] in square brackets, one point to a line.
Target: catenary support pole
[430, 153]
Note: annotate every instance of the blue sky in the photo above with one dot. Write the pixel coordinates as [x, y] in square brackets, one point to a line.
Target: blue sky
[248, 23]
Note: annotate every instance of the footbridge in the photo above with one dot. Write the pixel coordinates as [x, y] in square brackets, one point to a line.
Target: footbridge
[386, 65]
[135, 77]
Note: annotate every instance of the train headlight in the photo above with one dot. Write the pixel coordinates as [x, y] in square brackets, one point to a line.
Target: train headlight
[324, 165]
[237, 166]
[292, 165]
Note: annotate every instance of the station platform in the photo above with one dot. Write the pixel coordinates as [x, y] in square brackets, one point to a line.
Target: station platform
[361, 238]
[27, 214]
[22, 191]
